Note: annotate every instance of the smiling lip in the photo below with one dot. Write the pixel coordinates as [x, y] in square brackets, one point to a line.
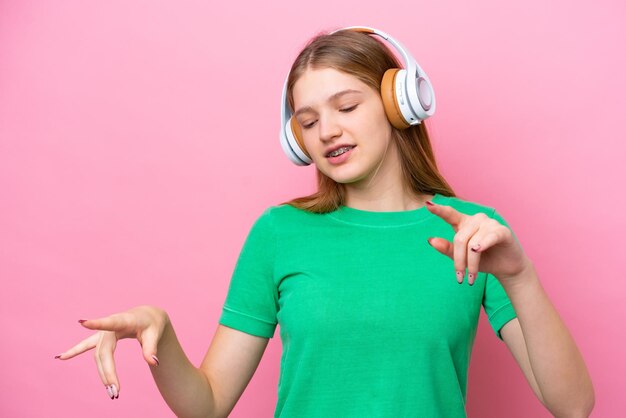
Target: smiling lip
[342, 158]
[337, 147]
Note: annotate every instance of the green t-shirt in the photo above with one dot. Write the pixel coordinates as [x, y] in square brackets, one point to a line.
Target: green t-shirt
[372, 320]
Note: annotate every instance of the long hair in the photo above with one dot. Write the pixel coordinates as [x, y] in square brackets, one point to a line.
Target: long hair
[364, 57]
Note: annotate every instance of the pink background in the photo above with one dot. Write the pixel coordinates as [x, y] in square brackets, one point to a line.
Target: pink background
[139, 141]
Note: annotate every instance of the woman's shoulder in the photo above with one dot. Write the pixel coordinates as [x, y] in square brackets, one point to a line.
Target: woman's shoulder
[285, 213]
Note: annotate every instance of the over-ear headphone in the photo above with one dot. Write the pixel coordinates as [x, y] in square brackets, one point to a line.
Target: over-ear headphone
[407, 95]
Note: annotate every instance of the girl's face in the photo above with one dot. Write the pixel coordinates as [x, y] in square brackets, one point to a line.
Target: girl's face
[335, 109]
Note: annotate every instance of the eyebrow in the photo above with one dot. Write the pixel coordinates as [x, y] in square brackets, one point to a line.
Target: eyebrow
[330, 99]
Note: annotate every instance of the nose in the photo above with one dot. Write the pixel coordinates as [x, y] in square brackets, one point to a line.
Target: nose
[328, 128]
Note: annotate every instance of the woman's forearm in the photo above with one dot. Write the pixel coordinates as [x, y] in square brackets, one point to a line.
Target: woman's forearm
[184, 387]
[557, 365]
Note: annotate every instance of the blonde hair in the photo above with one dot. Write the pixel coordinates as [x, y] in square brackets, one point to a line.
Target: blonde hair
[366, 58]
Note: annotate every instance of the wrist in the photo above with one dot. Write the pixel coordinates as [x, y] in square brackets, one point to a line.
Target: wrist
[165, 325]
[525, 278]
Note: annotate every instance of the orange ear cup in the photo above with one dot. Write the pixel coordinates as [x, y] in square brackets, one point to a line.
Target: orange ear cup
[387, 92]
[297, 133]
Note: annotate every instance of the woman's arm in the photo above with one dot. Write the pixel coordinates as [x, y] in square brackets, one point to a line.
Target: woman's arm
[545, 350]
[213, 389]
[208, 391]
[514, 339]
[486, 244]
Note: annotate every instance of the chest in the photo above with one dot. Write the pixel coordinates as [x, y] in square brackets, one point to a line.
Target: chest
[384, 284]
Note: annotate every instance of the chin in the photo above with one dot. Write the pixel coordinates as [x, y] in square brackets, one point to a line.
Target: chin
[346, 179]
[343, 174]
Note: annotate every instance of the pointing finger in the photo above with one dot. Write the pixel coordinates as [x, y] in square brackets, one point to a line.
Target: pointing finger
[121, 322]
[447, 213]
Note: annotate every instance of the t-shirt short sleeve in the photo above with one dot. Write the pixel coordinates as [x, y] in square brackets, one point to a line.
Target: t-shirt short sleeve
[496, 303]
[251, 303]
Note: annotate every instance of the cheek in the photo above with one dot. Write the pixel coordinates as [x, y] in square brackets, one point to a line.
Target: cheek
[311, 145]
[378, 123]
[379, 131]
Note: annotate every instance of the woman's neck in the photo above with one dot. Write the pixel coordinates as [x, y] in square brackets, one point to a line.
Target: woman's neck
[386, 200]
[384, 190]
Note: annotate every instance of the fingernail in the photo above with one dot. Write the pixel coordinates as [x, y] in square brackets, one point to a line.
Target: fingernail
[114, 391]
[459, 276]
[80, 321]
[429, 203]
[470, 279]
[110, 392]
[59, 356]
[155, 359]
[431, 244]
[475, 248]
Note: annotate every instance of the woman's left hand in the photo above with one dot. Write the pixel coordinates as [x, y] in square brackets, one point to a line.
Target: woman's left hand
[480, 244]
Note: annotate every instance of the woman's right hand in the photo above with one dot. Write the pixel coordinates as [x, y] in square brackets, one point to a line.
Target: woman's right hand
[145, 323]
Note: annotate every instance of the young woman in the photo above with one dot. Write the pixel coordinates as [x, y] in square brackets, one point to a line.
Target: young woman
[359, 275]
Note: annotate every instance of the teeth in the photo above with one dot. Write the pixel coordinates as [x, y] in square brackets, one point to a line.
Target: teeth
[339, 151]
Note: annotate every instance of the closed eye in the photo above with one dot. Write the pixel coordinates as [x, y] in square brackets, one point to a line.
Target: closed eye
[344, 110]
